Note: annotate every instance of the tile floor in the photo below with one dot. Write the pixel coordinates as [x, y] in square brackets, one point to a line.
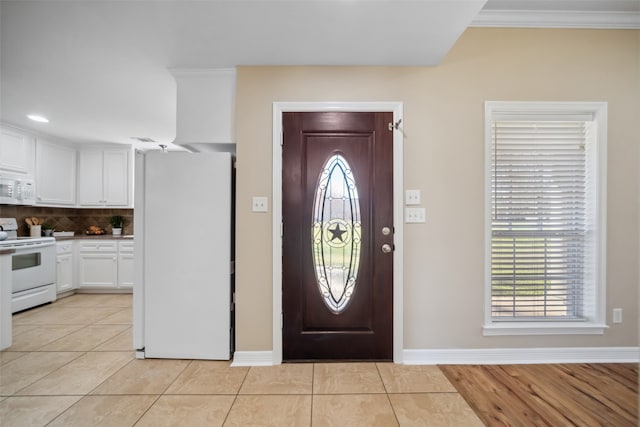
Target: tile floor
[72, 364]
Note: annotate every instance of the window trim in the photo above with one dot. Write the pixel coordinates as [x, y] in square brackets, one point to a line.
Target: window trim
[595, 322]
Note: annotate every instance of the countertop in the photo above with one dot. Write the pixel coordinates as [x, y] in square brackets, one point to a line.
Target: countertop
[80, 236]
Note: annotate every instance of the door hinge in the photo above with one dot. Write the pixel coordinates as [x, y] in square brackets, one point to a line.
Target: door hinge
[281, 320]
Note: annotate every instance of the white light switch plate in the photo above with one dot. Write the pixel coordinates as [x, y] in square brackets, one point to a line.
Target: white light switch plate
[412, 197]
[414, 215]
[260, 204]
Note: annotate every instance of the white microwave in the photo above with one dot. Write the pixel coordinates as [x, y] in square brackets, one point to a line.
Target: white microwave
[17, 190]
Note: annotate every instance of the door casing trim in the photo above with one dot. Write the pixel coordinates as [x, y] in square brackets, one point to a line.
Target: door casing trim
[398, 211]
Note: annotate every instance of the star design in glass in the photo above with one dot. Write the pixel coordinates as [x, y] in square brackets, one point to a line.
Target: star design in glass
[337, 233]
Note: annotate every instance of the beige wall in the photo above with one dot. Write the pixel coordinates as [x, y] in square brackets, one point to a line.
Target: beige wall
[443, 157]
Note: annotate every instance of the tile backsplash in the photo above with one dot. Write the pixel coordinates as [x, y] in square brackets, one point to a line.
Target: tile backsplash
[67, 219]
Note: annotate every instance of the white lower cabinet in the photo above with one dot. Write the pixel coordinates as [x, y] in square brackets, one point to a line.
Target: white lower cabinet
[125, 265]
[105, 264]
[98, 264]
[64, 267]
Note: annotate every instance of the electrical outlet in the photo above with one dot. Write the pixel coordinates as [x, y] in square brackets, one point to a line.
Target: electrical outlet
[412, 197]
[617, 315]
[414, 215]
[260, 204]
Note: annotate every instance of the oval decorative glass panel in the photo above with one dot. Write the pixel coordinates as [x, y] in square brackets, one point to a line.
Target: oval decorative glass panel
[336, 233]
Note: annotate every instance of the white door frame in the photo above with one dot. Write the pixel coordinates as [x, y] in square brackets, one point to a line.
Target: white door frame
[398, 211]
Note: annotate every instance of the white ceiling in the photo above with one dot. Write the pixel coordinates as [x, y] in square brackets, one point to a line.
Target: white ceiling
[99, 69]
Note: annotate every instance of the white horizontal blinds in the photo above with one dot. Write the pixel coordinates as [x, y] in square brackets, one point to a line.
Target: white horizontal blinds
[538, 219]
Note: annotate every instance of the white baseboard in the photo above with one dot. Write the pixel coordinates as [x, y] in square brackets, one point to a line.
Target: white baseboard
[485, 356]
[252, 358]
[513, 356]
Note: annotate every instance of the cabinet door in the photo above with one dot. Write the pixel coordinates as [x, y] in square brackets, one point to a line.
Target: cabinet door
[98, 270]
[90, 178]
[65, 272]
[16, 152]
[55, 174]
[125, 270]
[116, 178]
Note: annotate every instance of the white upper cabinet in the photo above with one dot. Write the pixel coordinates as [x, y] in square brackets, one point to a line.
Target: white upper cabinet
[16, 152]
[66, 174]
[55, 174]
[104, 178]
[90, 178]
[116, 177]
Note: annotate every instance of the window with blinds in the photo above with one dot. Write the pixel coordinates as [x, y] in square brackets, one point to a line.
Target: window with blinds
[539, 217]
[545, 217]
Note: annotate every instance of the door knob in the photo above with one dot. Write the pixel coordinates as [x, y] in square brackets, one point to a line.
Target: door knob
[386, 248]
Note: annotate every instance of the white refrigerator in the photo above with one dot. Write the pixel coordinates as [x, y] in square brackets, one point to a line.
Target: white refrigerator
[183, 256]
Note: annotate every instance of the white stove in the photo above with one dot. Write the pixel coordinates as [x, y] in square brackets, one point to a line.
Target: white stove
[33, 267]
[10, 226]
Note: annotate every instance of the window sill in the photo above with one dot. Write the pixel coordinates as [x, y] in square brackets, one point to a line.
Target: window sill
[543, 328]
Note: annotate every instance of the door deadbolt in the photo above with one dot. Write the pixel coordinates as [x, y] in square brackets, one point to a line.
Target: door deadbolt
[386, 231]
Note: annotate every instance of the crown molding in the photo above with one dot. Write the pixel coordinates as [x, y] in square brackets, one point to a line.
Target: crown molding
[557, 19]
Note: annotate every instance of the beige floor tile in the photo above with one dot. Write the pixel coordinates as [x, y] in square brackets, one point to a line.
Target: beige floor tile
[343, 378]
[68, 316]
[20, 329]
[433, 409]
[33, 410]
[80, 300]
[208, 377]
[18, 318]
[268, 411]
[116, 300]
[85, 339]
[353, 410]
[40, 336]
[121, 342]
[7, 356]
[21, 372]
[181, 411]
[105, 411]
[123, 317]
[413, 378]
[150, 376]
[280, 379]
[80, 376]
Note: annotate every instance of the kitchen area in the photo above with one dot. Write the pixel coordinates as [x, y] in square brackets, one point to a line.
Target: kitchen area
[48, 256]
[70, 230]
[66, 216]
[69, 224]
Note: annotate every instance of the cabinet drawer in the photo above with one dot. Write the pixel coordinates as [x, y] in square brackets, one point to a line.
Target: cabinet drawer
[99, 246]
[125, 246]
[64, 247]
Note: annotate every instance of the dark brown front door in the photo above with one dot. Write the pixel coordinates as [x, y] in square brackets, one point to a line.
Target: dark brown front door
[337, 186]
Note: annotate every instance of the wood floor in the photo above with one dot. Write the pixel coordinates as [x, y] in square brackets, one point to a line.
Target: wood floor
[550, 395]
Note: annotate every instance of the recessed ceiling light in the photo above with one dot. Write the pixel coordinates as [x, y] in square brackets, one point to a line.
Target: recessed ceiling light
[38, 118]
